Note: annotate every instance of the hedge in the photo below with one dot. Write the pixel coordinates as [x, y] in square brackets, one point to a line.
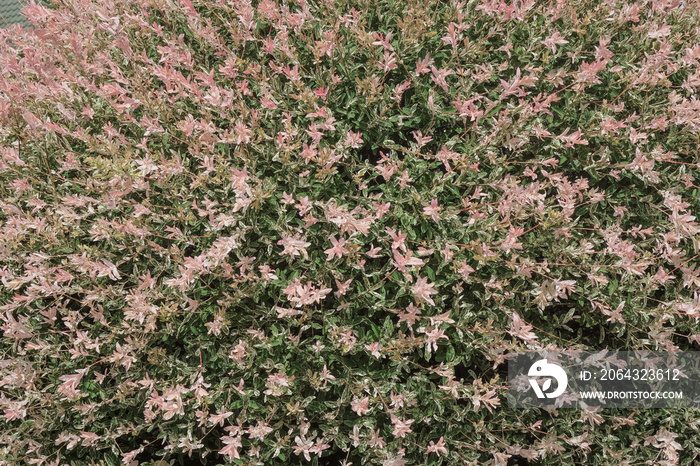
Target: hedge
[286, 232]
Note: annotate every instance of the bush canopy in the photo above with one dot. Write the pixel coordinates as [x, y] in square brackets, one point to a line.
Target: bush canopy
[309, 232]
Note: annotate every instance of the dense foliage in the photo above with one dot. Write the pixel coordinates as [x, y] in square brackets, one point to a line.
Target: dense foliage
[291, 232]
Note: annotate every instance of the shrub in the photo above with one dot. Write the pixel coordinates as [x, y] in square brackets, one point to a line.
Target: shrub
[284, 232]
